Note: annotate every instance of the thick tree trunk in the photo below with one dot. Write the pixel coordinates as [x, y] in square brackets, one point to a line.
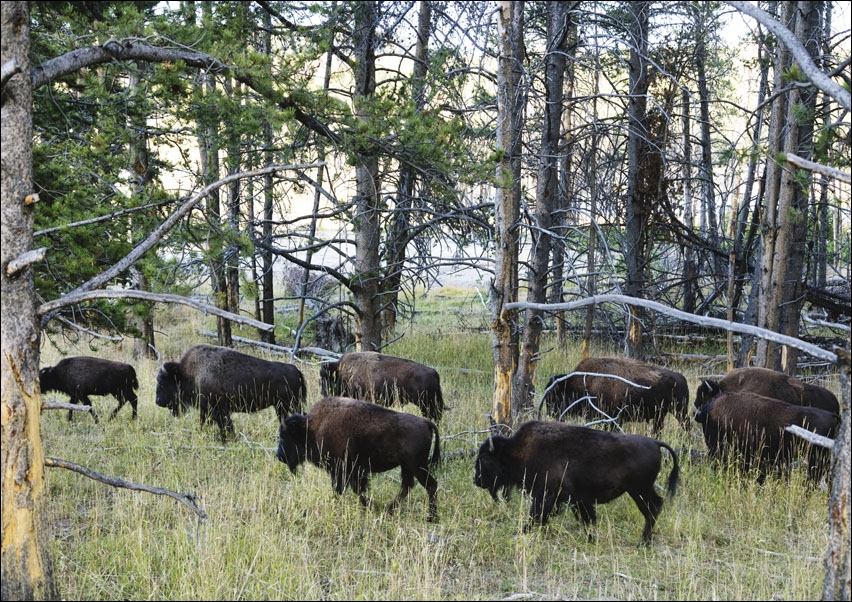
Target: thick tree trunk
[547, 189]
[27, 552]
[510, 103]
[367, 274]
[637, 204]
[785, 222]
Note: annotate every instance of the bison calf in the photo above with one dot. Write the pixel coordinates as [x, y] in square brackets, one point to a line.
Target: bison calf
[381, 378]
[592, 389]
[769, 383]
[351, 439]
[751, 430]
[82, 376]
[220, 380]
[559, 463]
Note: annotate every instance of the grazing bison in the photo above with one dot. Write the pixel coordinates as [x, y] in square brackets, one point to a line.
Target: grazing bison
[220, 380]
[769, 383]
[750, 430]
[82, 376]
[660, 391]
[559, 463]
[352, 439]
[372, 376]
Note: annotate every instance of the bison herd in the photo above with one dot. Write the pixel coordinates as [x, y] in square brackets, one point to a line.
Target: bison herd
[351, 432]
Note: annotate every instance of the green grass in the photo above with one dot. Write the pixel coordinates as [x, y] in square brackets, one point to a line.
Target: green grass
[271, 535]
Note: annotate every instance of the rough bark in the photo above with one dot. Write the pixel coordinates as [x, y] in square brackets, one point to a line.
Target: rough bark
[27, 552]
[547, 189]
[504, 288]
[366, 277]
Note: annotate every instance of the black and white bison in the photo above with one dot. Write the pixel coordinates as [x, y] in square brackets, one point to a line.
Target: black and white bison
[351, 439]
[769, 383]
[661, 391]
[559, 463]
[749, 430]
[372, 376]
[219, 380]
[82, 376]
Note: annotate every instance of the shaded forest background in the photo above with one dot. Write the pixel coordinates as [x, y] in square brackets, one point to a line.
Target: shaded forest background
[348, 154]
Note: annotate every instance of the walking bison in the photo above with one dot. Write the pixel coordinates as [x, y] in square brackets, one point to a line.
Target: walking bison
[351, 439]
[769, 383]
[750, 431]
[384, 379]
[220, 381]
[81, 376]
[558, 463]
[651, 393]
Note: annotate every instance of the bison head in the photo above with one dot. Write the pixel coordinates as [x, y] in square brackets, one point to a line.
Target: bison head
[706, 391]
[330, 379]
[490, 473]
[292, 441]
[169, 390]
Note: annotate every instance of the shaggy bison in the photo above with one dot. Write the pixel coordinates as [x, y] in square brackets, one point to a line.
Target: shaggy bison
[220, 380]
[82, 376]
[660, 391]
[372, 376]
[560, 463]
[750, 429]
[769, 383]
[352, 439]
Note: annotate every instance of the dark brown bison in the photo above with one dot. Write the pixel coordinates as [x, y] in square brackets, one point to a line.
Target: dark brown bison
[372, 376]
[220, 380]
[82, 376]
[352, 439]
[559, 463]
[659, 392]
[769, 383]
[749, 429]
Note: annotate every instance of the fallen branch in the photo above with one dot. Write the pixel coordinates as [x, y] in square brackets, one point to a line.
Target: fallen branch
[58, 405]
[810, 436]
[187, 499]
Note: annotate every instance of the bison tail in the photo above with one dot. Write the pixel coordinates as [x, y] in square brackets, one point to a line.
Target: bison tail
[674, 475]
[436, 452]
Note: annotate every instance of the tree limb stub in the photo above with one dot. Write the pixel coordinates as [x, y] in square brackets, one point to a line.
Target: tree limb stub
[187, 499]
[682, 315]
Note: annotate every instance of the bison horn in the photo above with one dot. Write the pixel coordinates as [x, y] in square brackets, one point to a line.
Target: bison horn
[491, 444]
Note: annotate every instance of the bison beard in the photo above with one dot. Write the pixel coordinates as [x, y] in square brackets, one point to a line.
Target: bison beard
[351, 439]
[558, 463]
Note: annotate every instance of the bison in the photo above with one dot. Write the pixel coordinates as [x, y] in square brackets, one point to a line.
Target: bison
[559, 463]
[381, 378]
[82, 376]
[351, 439]
[660, 391]
[220, 380]
[769, 383]
[751, 430]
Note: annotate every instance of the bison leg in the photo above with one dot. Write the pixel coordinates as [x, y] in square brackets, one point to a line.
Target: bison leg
[123, 397]
[83, 400]
[431, 485]
[587, 515]
[649, 504]
[404, 489]
[542, 506]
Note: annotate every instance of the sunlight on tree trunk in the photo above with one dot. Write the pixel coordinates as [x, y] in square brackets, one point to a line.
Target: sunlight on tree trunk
[27, 552]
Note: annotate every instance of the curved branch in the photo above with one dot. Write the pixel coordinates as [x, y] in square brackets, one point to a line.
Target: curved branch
[187, 499]
[769, 335]
[73, 298]
[824, 170]
[819, 79]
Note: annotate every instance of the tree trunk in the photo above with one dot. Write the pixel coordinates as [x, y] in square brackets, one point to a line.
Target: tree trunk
[838, 564]
[367, 274]
[637, 150]
[547, 190]
[510, 105]
[785, 224]
[27, 548]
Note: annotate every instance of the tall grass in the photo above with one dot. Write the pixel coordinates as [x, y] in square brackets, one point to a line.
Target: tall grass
[271, 535]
